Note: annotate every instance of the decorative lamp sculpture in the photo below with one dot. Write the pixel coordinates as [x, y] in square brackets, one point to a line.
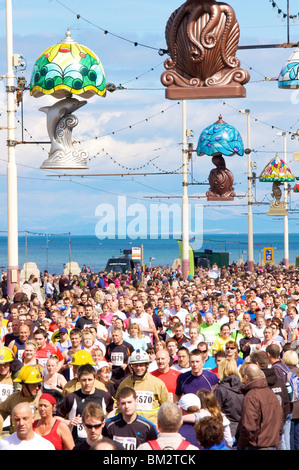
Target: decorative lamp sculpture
[296, 188]
[217, 140]
[289, 75]
[64, 70]
[277, 172]
[202, 37]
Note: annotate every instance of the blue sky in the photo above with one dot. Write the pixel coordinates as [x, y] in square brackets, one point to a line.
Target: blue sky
[137, 128]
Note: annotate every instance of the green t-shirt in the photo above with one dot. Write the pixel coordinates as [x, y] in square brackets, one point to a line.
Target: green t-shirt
[210, 333]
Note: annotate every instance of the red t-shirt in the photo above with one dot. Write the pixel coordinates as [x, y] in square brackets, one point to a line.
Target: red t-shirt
[44, 353]
[53, 436]
[169, 378]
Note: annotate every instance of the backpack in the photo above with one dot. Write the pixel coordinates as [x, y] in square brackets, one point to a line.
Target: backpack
[292, 384]
[155, 446]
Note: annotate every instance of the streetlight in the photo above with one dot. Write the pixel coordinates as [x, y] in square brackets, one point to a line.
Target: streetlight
[250, 218]
[63, 70]
[185, 201]
[278, 172]
[286, 220]
[216, 140]
[261, 257]
[12, 192]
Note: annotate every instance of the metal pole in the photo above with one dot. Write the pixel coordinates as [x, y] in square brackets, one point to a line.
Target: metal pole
[47, 247]
[250, 257]
[70, 255]
[12, 193]
[288, 21]
[286, 219]
[185, 203]
[25, 255]
[142, 273]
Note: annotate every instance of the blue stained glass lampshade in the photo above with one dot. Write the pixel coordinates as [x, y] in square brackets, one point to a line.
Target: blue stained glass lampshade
[220, 137]
[289, 75]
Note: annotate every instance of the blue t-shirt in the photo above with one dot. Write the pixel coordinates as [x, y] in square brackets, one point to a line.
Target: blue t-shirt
[209, 363]
[221, 446]
[188, 432]
[188, 383]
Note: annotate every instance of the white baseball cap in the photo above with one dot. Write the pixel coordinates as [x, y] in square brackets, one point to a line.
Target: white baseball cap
[189, 399]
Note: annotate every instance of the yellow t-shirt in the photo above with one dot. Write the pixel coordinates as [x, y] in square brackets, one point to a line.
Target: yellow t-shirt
[219, 343]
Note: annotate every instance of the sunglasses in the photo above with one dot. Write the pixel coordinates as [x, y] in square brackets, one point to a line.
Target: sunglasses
[230, 348]
[96, 426]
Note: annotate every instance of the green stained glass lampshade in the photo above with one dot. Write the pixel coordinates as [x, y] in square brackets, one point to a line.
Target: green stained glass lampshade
[68, 67]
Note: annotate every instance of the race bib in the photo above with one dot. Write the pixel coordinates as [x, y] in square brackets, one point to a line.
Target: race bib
[129, 443]
[5, 391]
[43, 362]
[117, 358]
[210, 342]
[145, 400]
[253, 348]
[81, 431]
[20, 354]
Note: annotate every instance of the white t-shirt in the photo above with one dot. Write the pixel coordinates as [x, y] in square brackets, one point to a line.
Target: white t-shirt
[38, 442]
[120, 314]
[181, 314]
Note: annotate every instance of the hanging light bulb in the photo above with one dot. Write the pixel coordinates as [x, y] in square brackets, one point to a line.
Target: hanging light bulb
[279, 13]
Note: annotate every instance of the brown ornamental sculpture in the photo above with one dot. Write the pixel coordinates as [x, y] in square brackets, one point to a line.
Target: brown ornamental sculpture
[202, 38]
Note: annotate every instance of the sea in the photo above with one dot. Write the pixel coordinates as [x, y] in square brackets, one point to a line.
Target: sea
[53, 252]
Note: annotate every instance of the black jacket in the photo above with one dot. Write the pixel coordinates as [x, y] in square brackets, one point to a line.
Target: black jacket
[230, 400]
[280, 390]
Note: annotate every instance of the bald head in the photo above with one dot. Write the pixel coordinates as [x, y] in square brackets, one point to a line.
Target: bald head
[22, 418]
[253, 372]
[21, 407]
[163, 360]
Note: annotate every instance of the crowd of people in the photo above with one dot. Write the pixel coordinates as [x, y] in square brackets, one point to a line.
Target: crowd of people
[142, 361]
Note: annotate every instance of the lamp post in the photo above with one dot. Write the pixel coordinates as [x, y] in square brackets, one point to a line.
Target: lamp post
[285, 219]
[12, 193]
[250, 218]
[185, 201]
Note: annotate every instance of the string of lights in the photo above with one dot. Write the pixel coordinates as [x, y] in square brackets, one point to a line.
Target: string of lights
[142, 74]
[130, 168]
[161, 51]
[130, 126]
[281, 14]
[255, 119]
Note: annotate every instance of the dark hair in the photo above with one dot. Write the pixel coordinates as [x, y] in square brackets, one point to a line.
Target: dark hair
[126, 392]
[220, 354]
[197, 352]
[273, 350]
[209, 431]
[41, 331]
[76, 331]
[183, 348]
[261, 358]
[223, 325]
[86, 369]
